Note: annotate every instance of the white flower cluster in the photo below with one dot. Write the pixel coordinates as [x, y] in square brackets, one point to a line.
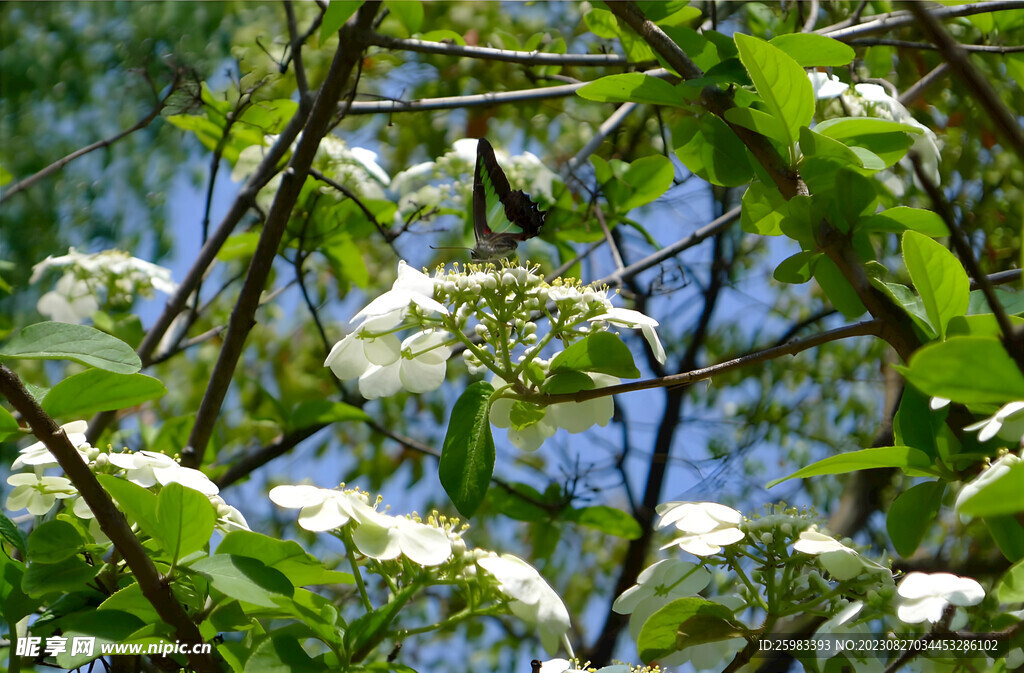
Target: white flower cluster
[872, 100]
[87, 277]
[433, 544]
[490, 310]
[38, 493]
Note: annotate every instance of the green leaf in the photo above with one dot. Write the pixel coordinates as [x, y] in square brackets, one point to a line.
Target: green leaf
[10, 532]
[520, 503]
[320, 412]
[816, 145]
[113, 627]
[467, 458]
[78, 343]
[1008, 534]
[239, 246]
[523, 414]
[763, 210]
[911, 513]
[53, 541]
[15, 604]
[1002, 495]
[369, 630]
[287, 556]
[710, 150]
[780, 82]
[567, 382]
[244, 578]
[68, 576]
[797, 268]
[601, 352]
[685, 622]
[633, 87]
[97, 390]
[939, 278]
[810, 50]
[8, 426]
[282, 653]
[889, 141]
[837, 288]
[971, 370]
[1010, 587]
[912, 461]
[760, 122]
[901, 218]
[337, 13]
[185, 519]
[137, 503]
[409, 13]
[650, 177]
[607, 520]
[915, 423]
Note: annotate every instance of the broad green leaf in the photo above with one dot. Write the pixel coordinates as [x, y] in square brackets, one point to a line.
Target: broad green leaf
[10, 532]
[126, 327]
[367, 632]
[282, 653]
[244, 578]
[78, 343]
[797, 268]
[68, 576]
[567, 382]
[761, 122]
[114, 627]
[780, 82]
[96, 390]
[1010, 588]
[523, 414]
[763, 210]
[911, 513]
[467, 458]
[847, 194]
[901, 218]
[684, 622]
[601, 352]
[939, 278]
[137, 503]
[632, 87]
[984, 325]
[409, 13]
[15, 604]
[53, 541]
[602, 23]
[971, 370]
[131, 600]
[520, 503]
[1012, 302]
[700, 50]
[607, 520]
[915, 423]
[185, 519]
[710, 150]
[650, 177]
[287, 556]
[8, 426]
[837, 288]
[318, 412]
[912, 461]
[337, 13]
[852, 127]
[810, 50]
[1008, 534]
[1002, 495]
[817, 145]
[269, 116]
[910, 302]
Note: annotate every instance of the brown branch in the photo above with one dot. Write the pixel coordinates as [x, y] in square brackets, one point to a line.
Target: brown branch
[884, 22]
[975, 82]
[907, 44]
[505, 55]
[155, 587]
[351, 44]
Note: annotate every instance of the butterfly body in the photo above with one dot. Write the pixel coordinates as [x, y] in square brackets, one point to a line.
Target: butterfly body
[502, 217]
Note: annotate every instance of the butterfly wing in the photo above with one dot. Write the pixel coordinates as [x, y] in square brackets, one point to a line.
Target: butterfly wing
[501, 217]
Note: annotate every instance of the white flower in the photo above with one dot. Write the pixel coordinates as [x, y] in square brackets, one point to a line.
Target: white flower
[385, 537]
[533, 600]
[924, 596]
[322, 508]
[630, 318]
[887, 107]
[228, 517]
[420, 369]
[576, 417]
[73, 301]
[937, 403]
[990, 427]
[657, 586]
[148, 468]
[841, 624]
[709, 526]
[996, 470]
[37, 455]
[826, 86]
[411, 287]
[356, 353]
[841, 562]
[37, 494]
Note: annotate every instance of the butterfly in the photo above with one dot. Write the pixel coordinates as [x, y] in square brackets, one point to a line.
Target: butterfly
[501, 217]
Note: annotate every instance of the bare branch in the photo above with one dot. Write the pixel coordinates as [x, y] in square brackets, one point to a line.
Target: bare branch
[113, 524]
[883, 22]
[979, 48]
[506, 55]
[456, 102]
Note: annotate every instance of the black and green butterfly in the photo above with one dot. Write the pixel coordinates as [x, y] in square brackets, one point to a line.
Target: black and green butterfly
[501, 217]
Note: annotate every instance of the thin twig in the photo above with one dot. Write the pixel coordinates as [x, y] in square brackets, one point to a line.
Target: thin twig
[296, 48]
[111, 521]
[915, 91]
[812, 18]
[973, 79]
[457, 102]
[980, 48]
[884, 22]
[388, 236]
[505, 55]
[616, 256]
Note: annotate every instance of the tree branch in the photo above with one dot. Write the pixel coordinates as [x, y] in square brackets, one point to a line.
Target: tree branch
[505, 55]
[351, 43]
[155, 588]
[907, 44]
[883, 22]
